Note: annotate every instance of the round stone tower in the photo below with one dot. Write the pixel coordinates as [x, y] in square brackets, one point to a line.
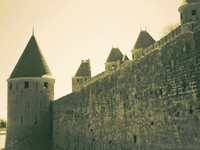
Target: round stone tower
[30, 93]
[190, 11]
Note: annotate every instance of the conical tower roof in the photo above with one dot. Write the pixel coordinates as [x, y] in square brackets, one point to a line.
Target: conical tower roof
[144, 40]
[184, 2]
[31, 63]
[84, 69]
[114, 55]
[125, 57]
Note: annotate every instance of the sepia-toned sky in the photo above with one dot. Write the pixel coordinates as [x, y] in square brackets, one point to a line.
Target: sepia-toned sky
[70, 30]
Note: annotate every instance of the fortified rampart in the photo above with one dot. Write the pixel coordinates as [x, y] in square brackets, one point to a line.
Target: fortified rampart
[155, 46]
[150, 103]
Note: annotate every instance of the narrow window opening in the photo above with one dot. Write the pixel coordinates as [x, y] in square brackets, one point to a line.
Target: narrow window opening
[177, 114]
[194, 12]
[135, 138]
[191, 111]
[10, 86]
[161, 92]
[77, 80]
[151, 92]
[181, 17]
[156, 93]
[46, 85]
[184, 84]
[21, 120]
[26, 84]
[35, 121]
[169, 88]
[17, 87]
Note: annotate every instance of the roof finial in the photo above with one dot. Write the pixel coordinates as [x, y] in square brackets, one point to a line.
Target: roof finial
[33, 31]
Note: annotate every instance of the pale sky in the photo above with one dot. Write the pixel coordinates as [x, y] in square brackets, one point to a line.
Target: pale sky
[70, 30]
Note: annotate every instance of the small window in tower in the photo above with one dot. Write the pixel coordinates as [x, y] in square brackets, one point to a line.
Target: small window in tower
[10, 86]
[22, 120]
[135, 138]
[77, 80]
[26, 84]
[35, 121]
[194, 12]
[45, 85]
[181, 17]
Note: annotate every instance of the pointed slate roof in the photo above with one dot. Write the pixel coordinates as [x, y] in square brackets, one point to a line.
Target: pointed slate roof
[31, 63]
[184, 2]
[125, 57]
[144, 40]
[84, 69]
[114, 55]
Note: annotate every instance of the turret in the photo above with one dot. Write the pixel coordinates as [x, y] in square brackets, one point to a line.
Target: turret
[125, 59]
[190, 11]
[82, 75]
[114, 59]
[143, 41]
[30, 93]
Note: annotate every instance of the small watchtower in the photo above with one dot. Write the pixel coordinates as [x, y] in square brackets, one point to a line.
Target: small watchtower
[143, 41]
[190, 11]
[114, 59]
[30, 93]
[82, 75]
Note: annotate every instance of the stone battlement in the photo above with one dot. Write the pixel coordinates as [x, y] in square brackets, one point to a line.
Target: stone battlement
[155, 46]
[190, 27]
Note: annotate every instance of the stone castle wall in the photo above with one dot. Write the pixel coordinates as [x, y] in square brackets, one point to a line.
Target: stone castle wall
[151, 103]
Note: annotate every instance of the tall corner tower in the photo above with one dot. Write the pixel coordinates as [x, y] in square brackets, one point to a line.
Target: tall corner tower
[82, 75]
[190, 11]
[30, 93]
